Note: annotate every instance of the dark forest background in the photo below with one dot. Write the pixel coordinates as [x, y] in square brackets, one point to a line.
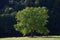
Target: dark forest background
[9, 8]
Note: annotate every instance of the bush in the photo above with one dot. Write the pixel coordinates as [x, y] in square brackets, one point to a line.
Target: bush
[32, 19]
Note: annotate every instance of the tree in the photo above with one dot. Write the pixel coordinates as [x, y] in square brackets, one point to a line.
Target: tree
[32, 19]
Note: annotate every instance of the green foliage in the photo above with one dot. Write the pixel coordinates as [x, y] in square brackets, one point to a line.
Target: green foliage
[32, 19]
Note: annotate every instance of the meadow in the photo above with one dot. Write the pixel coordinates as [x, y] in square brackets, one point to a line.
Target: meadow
[26, 38]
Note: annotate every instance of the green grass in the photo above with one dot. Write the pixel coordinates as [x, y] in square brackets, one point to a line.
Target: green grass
[29, 38]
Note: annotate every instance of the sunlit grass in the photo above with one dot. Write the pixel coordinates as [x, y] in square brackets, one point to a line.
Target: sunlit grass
[25, 38]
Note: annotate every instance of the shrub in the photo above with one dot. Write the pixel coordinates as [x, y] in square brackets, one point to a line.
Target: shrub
[32, 19]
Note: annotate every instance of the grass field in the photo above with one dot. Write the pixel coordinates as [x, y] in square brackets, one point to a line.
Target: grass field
[25, 38]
